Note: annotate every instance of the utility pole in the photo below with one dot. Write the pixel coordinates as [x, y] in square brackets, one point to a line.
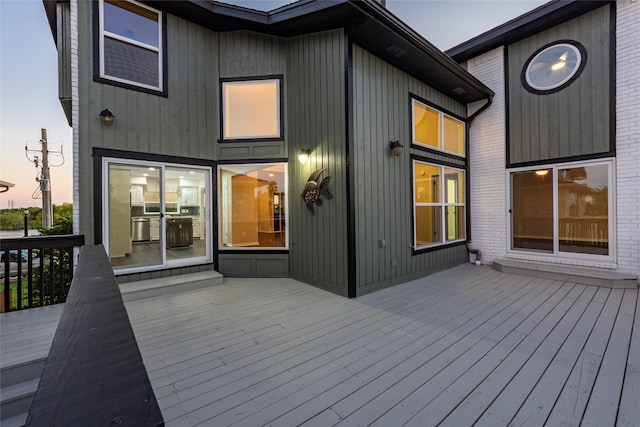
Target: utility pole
[45, 185]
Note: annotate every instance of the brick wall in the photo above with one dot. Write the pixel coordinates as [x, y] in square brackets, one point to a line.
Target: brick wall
[487, 161]
[628, 134]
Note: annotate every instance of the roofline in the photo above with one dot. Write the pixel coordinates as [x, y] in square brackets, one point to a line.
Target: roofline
[543, 17]
[386, 17]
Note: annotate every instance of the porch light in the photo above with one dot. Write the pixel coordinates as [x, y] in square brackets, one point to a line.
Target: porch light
[106, 117]
[303, 155]
[396, 147]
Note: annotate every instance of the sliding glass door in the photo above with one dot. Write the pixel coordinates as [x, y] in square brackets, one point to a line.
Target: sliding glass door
[155, 214]
[563, 210]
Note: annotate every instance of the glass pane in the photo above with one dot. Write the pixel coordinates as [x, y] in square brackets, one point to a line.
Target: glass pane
[553, 66]
[454, 187]
[426, 125]
[532, 210]
[131, 21]
[583, 209]
[453, 135]
[251, 109]
[454, 217]
[252, 206]
[427, 183]
[428, 225]
[184, 197]
[132, 218]
[132, 63]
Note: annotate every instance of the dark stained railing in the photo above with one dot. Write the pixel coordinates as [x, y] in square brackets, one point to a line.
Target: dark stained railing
[36, 271]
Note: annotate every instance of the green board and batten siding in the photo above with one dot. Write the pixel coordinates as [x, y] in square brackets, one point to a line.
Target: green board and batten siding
[317, 121]
[383, 182]
[547, 127]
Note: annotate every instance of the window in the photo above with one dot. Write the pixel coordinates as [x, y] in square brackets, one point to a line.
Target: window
[253, 206]
[439, 204]
[251, 109]
[553, 67]
[435, 129]
[562, 210]
[131, 44]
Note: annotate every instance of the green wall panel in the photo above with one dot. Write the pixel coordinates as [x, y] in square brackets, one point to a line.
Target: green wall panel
[383, 182]
[315, 84]
[574, 121]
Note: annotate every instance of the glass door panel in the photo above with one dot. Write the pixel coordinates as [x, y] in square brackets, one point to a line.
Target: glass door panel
[133, 219]
[532, 210]
[185, 207]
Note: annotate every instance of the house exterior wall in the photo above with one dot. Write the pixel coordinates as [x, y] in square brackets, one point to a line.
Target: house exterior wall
[382, 182]
[317, 121]
[574, 121]
[628, 134]
[487, 152]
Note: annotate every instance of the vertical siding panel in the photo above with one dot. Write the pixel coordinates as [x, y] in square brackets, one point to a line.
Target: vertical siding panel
[561, 131]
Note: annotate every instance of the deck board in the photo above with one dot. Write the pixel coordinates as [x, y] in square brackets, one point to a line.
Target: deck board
[467, 345]
[462, 346]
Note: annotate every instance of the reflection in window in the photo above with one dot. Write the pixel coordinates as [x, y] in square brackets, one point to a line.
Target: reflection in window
[253, 206]
[251, 109]
[131, 43]
[437, 130]
[581, 208]
[439, 202]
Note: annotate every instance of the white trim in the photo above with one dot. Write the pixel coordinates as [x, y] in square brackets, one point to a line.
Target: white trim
[573, 258]
[441, 204]
[163, 262]
[103, 33]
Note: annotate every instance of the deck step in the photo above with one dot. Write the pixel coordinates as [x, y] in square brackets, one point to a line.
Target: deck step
[568, 273]
[21, 372]
[168, 285]
[16, 399]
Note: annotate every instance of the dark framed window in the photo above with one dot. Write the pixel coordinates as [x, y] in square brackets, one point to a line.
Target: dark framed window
[437, 130]
[251, 109]
[130, 46]
[553, 67]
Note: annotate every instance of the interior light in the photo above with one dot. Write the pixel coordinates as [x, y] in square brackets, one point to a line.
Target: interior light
[558, 65]
[542, 172]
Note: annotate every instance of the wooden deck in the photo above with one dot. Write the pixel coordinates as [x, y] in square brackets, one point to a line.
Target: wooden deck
[469, 346]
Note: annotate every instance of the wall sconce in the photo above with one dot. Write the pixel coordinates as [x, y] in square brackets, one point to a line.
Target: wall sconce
[396, 147]
[303, 155]
[106, 117]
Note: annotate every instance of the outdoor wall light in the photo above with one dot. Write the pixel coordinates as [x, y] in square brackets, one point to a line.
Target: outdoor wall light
[303, 155]
[106, 117]
[396, 147]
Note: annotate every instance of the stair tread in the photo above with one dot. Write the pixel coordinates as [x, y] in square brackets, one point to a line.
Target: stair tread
[18, 391]
[168, 281]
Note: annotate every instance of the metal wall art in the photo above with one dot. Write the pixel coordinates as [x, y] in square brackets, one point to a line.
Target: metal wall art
[313, 190]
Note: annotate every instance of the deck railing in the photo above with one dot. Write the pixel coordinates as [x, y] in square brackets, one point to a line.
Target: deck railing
[36, 271]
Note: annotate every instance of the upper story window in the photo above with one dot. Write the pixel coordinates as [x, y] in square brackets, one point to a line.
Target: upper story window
[435, 129]
[131, 44]
[553, 67]
[252, 109]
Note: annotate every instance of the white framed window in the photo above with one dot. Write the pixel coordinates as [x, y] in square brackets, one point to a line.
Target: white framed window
[253, 206]
[439, 205]
[251, 109]
[435, 129]
[554, 67]
[563, 211]
[131, 44]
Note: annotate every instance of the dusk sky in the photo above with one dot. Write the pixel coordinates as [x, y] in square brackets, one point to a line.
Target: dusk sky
[29, 81]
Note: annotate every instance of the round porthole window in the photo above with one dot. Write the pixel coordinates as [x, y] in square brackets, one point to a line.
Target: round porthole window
[554, 67]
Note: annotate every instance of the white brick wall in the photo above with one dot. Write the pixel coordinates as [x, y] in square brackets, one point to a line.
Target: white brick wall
[487, 161]
[628, 134]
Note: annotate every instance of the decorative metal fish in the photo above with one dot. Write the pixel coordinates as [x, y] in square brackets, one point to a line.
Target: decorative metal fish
[313, 190]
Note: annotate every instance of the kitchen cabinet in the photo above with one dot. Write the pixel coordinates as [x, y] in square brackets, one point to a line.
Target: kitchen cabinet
[189, 196]
[137, 195]
[196, 227]
[119, 213]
